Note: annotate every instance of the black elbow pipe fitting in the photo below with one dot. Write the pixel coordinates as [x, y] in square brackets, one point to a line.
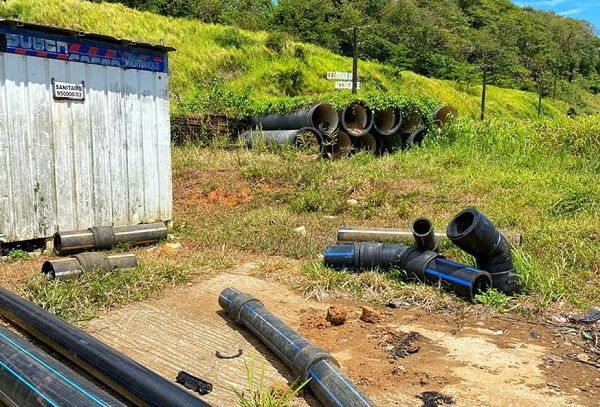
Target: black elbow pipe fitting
[474, 233]
[134, 382]
[424, 234]
[307, 361]
[105, 237]
[425, 266]
[30, 377]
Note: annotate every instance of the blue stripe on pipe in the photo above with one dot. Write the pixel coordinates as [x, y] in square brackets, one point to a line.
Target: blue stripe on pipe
[272, 326]
[447, 277]
[339, 254]
[50, 368]
[32, 387]
[349, 384]
[474, 270]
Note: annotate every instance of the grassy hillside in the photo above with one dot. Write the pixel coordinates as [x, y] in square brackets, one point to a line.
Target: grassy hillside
[537, 177]
[223, 69]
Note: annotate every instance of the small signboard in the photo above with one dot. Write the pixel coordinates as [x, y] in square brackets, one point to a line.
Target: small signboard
[346, 85]
[339, 76]
[68, 91]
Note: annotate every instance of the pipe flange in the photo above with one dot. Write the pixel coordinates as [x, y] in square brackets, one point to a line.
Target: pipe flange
[91, 261]
[308, 356]
[104, 237]
[238, 303]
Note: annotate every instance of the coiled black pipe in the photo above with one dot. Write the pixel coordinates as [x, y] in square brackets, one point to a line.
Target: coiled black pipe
[307, 361]
[105, 237]
[356, 119]
[321, 116]
[422, 265]
[306, 138]
[30, 377]
[424, 235]
[474, 233]
[73, 267]
[387, 121]
[128, 378]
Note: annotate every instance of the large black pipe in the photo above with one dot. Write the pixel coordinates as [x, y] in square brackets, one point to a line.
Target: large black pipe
[306, 138]
[443, 115]
[307, 361]
[128, 378]
[474, 233]
[422, 265]
[356, 119]
[370, 142]
[30, 377]
[387, 121]
[338, 145]
[105, 237]
[321, 116]
[74, 266]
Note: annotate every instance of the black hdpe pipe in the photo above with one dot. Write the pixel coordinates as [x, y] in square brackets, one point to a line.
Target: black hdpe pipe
[387, 121]
[73, 267]
[391, 235]
[415, 138]
[370, 142]
[424, 235]
[30, 377]
[321, 116]
[422, 265]
[338, 145]
[356, 119]
[474, 233]
[394, 142]
[306, 138]
[126, 377]
[105, 237]
[308, 361]
[443, 115]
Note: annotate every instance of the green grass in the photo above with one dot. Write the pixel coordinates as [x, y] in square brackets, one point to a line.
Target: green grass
[80, 300]
[218, 69]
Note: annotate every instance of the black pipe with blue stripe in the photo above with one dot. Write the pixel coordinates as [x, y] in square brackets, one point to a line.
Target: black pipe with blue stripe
[30, 377]
[422, 265]
[327, 382]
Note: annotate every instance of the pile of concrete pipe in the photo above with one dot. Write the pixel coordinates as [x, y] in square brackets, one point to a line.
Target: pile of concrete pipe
[326, 132]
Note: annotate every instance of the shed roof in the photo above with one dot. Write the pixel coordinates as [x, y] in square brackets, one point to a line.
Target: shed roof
[82, 34]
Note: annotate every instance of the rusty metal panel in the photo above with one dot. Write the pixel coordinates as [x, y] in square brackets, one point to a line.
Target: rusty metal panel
[69, 163]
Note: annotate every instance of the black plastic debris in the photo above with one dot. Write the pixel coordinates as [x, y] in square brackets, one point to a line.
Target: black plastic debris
[588, 317]
[435, 399]
[222, 356]
[193, 383]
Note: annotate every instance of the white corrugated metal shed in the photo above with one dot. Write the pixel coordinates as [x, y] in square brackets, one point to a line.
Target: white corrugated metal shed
[84, 131]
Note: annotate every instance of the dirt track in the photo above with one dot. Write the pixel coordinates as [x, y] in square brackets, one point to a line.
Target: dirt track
[471, 359]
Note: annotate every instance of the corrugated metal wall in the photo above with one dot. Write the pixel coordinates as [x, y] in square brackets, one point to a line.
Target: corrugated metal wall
[70, 165]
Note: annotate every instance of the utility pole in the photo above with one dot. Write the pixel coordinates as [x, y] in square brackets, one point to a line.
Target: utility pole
[354, 60]
[485, 69]
[355, 54]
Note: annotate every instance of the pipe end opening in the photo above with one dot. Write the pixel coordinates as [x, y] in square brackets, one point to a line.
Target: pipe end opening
[48, 270]
[57, 242]
[462, 223]
[422, 226]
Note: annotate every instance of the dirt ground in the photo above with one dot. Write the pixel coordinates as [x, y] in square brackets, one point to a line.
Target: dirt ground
[399, 358]
[402, 356]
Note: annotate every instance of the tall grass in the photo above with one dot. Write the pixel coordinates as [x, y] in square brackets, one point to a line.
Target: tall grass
[218, 69]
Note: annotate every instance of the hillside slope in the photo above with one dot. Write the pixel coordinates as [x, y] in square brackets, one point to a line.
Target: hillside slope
[223, 69]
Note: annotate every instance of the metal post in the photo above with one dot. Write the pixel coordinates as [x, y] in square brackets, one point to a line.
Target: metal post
[483, 90]
[541, 90]
[354, 60]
